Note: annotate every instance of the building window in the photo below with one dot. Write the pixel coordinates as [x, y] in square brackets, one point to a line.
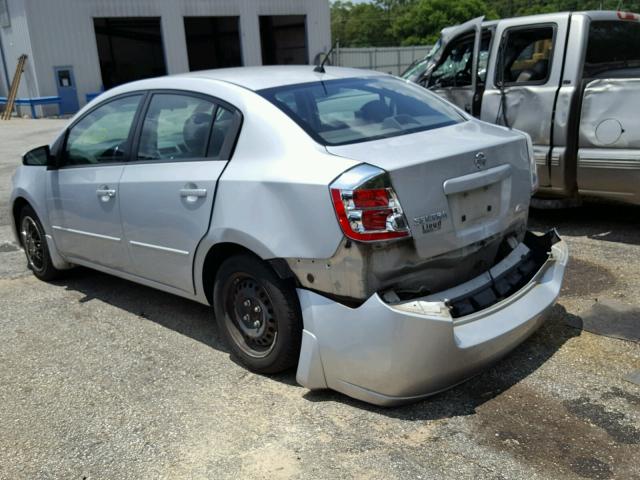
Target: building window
[129, 48]
[213, 42]
[284, 39]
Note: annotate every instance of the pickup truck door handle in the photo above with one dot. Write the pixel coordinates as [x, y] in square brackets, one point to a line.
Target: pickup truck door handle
[105, 193]
[191, 194]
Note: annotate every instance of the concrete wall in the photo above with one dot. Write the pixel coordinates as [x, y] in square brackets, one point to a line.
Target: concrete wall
[61, 33]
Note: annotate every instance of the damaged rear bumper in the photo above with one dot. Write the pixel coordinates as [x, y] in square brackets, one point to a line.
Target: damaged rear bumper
[391, 353]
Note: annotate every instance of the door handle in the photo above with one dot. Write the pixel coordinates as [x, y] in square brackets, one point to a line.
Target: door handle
[193, 193]
[105, 193]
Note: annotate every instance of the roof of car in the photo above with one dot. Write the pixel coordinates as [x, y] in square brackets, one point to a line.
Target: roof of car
[258, 78]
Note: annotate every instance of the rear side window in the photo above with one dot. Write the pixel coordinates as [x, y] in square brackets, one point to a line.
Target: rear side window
[176, 127]
[223, 127]
[527, 56]
[343, 111]
[613, 45]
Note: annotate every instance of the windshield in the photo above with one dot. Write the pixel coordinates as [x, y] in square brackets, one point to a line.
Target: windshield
[338, 112]
[417, 68]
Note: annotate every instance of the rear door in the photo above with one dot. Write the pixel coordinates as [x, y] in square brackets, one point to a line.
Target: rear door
[455, 72]
[167, 191]
[524, 80]
[82, 194]
[609, 138]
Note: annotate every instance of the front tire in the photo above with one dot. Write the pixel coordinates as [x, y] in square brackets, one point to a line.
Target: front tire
[257, 314]
[35, 246]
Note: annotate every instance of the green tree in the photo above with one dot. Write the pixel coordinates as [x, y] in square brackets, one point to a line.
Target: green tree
[513, 8]
[361, 24]
[420, 21]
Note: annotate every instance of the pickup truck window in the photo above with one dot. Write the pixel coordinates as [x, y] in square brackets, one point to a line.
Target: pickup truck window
[527, 56]
[613, 45]
[351, 110]
[454, 69]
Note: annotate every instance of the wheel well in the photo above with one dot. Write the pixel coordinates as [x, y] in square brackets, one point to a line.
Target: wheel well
[18, 205]
[221, 251]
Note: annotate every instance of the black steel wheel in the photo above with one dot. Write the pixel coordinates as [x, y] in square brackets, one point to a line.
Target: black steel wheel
[35, 246]
[258, 314]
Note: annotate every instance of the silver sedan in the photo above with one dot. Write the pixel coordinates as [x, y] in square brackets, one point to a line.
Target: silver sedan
[344, 221]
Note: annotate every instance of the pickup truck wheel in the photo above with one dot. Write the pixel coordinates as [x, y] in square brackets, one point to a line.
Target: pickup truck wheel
[35, 246]
[258, 314]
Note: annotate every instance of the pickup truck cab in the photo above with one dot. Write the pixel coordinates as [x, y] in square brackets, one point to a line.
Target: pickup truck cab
[570, 80]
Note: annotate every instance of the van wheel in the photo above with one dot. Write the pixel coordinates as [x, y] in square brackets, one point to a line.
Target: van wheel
[258, 314]
[35, 246]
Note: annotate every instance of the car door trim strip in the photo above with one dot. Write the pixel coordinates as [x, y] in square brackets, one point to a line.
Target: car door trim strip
[158, 247]
[88, 234]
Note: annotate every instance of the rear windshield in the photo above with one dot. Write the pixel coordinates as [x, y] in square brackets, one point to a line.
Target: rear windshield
[613, 45]
[339, 112]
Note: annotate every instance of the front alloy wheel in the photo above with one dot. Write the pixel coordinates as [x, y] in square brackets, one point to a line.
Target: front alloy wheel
[35, 246]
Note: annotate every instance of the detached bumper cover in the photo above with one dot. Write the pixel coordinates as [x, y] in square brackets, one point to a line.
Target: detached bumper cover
[389, 354]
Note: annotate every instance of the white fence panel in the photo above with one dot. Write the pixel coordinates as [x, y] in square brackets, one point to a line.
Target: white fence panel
[392, 60]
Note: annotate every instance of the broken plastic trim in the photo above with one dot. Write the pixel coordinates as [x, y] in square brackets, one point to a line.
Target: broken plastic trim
[509, 281]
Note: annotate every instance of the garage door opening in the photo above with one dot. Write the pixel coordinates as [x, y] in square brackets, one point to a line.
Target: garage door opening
[284, 39]
[129, 49]
[213, 42]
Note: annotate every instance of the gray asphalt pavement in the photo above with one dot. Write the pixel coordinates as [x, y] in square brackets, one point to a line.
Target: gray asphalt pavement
[101, 378]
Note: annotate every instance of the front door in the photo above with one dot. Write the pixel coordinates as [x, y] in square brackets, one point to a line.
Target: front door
[167, 190]
[455, 72]
[523, 81]
[67, 91]
[82, 193]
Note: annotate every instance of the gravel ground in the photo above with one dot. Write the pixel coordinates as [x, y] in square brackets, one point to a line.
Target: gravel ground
[103, 378]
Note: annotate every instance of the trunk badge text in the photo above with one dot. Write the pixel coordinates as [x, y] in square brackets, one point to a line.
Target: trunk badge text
[432, 222]
[480, 161]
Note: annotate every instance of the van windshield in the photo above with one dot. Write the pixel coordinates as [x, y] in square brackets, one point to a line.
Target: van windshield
[343, 111]
[613, 45]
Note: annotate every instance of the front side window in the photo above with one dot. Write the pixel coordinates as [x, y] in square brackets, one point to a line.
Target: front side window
[102, 135]
[343, 111]
[613, 45]
[455, 68]
[176, 127]
[526, 56]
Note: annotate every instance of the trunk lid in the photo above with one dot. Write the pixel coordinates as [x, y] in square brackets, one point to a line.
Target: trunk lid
[457, 185]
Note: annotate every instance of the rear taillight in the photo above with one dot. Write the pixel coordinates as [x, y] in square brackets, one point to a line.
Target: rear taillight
[367, 207]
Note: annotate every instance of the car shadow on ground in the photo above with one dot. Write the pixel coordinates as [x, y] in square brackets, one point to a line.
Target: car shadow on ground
[196, 321]
[170, 311]
[599, 220]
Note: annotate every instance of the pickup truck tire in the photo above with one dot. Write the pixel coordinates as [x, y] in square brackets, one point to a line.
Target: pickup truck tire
[35, 246]
[257, 314]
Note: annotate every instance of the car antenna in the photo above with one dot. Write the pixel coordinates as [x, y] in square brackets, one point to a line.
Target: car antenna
[320, 67]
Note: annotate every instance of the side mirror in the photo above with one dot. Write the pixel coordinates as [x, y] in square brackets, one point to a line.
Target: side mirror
[39, 157]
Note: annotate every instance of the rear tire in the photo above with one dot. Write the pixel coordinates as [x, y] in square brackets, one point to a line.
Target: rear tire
[257, 314]
[35, 246]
